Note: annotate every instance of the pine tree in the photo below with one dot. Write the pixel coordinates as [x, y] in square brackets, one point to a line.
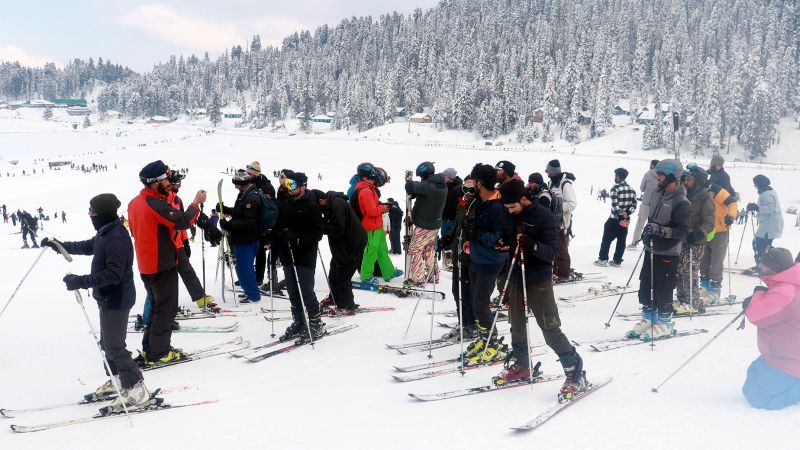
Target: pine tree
[86, 122]
[214, 110]
[47, 114]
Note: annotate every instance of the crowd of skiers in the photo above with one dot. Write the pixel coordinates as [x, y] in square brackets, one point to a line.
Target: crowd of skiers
[495, 231]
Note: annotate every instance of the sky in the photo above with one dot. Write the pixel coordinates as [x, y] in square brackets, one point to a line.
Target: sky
[139, 34]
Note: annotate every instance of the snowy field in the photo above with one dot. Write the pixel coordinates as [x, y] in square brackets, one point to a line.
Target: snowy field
[341, 394]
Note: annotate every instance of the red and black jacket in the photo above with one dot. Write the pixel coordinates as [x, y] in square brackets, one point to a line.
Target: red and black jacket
[155, 226]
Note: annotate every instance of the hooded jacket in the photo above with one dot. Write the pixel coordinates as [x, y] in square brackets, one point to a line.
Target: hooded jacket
[371, 208]
[492, 223]
[725, 205]
[776, 313]
[346, 235]
[453, 196]
[430, 195]
[648, 186]
[561, 185]
[702, 213]
[245, 217]
[770, 216]
[672, 211]
[302, 216]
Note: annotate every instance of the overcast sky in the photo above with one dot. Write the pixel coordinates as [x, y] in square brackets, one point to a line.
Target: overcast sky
[138, 34]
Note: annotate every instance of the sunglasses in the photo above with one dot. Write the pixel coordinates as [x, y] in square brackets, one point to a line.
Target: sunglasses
[249, 167]
[290, 184]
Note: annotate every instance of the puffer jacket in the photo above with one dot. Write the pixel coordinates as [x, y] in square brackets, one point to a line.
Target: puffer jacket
[453, 196]
[770, 216]
[776, 313]
[371, 209]
[430, 196]
[245, 217]
[648, 186]
[672, 211]
[702, 213]
[346, 235]
[492, 224]
[725, 204]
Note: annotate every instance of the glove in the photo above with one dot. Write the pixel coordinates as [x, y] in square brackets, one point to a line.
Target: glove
[74, 282]
[728, 220]
[446, 241]
[47, 242]
[409, 175]
[652, 230]
[752, 207]
[225, 224]
[290, 237]
[187, 248]
[527, 243]
[202, 221]
[746, 303]
[696, 236]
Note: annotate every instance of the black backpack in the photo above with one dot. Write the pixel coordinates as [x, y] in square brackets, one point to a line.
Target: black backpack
[354, 204]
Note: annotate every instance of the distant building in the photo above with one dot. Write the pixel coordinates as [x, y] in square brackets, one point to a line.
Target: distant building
[66, 102]
[79, 111]
[231, 113]
[421, 118]
[34, 104]
[5, 105]
[619, 110]
[58, 163]
[322, 118]
[400, 112]
[301, 116]
[159, 119]
[111, 114]
[584, 118]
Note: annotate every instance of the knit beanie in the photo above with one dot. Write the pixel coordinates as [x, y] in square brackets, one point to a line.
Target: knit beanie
[300, 178]
[450, 173]
[778, 259]
[512, 191]
[507, 166]
[254, 169]
[761, 181]
[153, 172]
[621, 173]
[553, 168]
[104, 204]
[485, 174]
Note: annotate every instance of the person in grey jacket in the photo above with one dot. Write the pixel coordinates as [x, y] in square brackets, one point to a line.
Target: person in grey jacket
[647, 187]
[667, 227]
[770, 216]
[430, 194]
[702, 220]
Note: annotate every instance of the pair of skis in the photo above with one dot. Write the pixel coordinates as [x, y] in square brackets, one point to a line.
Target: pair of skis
[232, 345]
[604, 345]
[257, 354]
[398, 291]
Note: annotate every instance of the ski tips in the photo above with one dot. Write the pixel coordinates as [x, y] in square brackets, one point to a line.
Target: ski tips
[6, 413]
[654, 390]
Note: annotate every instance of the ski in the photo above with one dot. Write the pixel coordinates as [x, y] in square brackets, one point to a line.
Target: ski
[88, 399]
[398, 291]
[614, 344]
[426, 347]
[559, 406]
[297, 344]
[198, 329]
[598, 293]
[541, 378]
[404, 378]
[633, 317]
[96, 417]
[585, 279]
[416, 344]
[214, 350]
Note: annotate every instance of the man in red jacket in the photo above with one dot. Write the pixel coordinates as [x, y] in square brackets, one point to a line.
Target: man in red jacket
[372, 218]
[155, 224]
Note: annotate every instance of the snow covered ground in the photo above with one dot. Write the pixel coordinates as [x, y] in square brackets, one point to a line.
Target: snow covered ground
[341, 395]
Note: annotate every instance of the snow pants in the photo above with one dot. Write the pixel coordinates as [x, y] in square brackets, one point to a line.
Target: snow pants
[376, 250]
[113, 330]
[162, 287]
[306, 285]
[542, 304]
[394, 239]
[422, 252]
[713, 261]
[189, 277]
[341, 285]
[691, 254]
[769, 388]
[482, 282]
[245, 255]
[663, 279]
[641, 219]
[562, 262]
[611, 231]
[463, 297]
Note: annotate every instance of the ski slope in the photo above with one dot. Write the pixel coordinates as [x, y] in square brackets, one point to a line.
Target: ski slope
[340, 395]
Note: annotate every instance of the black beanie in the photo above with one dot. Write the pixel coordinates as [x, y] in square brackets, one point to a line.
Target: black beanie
[507, 166]
[484, 173]
[153, 172]
[536, 177]
[104, 204]
[777, 259]
[761, 181]
[512, 191]
[319, 194]
[300, 178]
[621, 173]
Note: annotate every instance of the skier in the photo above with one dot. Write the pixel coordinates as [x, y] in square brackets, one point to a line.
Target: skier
[486, 241]
[300, 233]
[63, 217]
[623, 203]
[153, 221]
[648, 186]
[716, 248]
[14, 219]
[465, 215]
[29, 225]
[770, 217]
[395, 224]
[454, 193]
[244, 233]
[773, 380]
[429, 196]
[537, 189]
[111, 281]
[263, 184]
[561, 188]
[667, 226]
[717, 174]
[536, 235]
[346, 239]
[365, 200]
[701, 221]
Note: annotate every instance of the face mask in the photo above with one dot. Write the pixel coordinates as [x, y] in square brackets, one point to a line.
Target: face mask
[99, 222]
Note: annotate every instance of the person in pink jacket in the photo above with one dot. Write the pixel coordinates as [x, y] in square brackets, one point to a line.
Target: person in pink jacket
[773, 380]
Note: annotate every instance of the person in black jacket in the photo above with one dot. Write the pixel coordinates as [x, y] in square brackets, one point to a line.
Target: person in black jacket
[347, 239]
[395, 225]
[264, 185]
[300, 231]
[245, 233]
[453, 183]
[111, 281]
[537, 236]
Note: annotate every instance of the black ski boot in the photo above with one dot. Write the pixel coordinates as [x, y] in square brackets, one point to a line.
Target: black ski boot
[317, 326]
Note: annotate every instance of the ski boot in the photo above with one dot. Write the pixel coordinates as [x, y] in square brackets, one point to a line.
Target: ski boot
[340, 312]
[204, 301]
[477, 345]
[172, 356]
[35, 245]
[647, 318]
[397, 273]
[714, 292]
[454, 335]
[409, 283]
[137, 397]
[515, 370]
[293, 330]
[601, 263]
[494, 350]
[317, 326]
[615, 264]
[141, 359]
[705, 284]
[664, 326]
[138, 325]
[25, 245]
[327, 302]
[575, 377]
[105, 392]
[684, 309]
[175, 325]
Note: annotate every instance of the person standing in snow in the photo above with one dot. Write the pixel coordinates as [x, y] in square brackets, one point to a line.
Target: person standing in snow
[623, 203]
[395, 225]
[111, 281]
[667, 227]
[716, 248]
[263, 184]
[701, 221]
[648, 186]
[29, 225]
[63, 217]
[717, 174]
[366, 202]
[453, 183]
[770, 217]
[773, 380]
[538, 190]
[429, 196]
[561, 188]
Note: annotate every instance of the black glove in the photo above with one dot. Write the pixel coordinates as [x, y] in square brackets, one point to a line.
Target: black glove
[752, 207]
[76, 282]
[225, 224]
[728, 220]
[186, 248]
[203, 221]
[290, 237]
[746, 303]
[652, 230]
[213, 234]
[528, 244]
[696, 236]
[47, 242]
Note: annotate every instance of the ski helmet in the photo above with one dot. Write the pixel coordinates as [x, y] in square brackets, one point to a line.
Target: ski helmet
[176, 177]
[671, 168]
[240, 177]
[698, 173]
[365, 169]
[425, 169]
[380, 177]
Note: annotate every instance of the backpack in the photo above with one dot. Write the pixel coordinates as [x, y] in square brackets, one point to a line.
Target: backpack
[557, 201]
[354, 204]
[269, 211]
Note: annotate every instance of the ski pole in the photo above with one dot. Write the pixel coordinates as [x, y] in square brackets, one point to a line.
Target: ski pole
[414, 311]
[203, 255]
[529, 344]
[608, 324]
[746, 219]
[731, 297]
[271, 294]
[655, 389]
[653, 312]
[300, 291]
[691, 282]
[60, 249]
[231, 259]
[457, 266]
[433, 301]
[504, 291]
[107, 366]
[325, 271]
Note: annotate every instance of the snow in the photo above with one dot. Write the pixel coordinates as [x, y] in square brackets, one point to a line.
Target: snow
[340, 395]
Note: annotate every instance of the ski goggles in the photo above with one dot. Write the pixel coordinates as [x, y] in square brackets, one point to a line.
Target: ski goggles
[692, 166]
[290, 184]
